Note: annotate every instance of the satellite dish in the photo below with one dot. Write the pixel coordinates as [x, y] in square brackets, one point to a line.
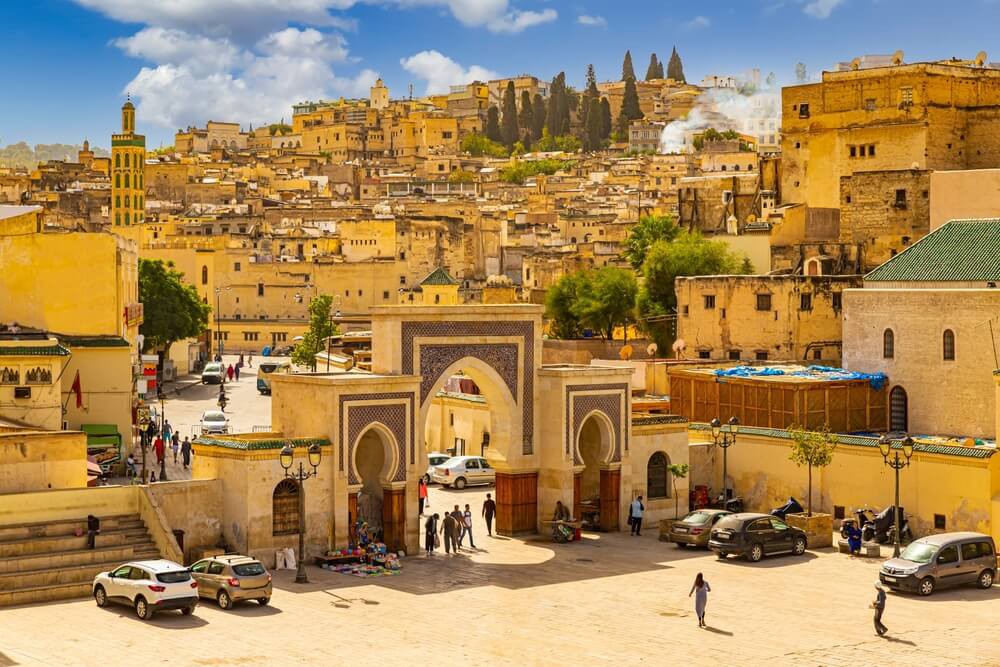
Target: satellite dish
[856, 64]
[651, 349]
[625, 353]
[980, 59]
[897, 58]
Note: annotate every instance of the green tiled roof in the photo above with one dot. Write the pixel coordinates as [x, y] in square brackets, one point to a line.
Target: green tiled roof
[256, 445]
[958, 251]
[867, 441]
[28, 351]
[93, 341]
[439, 276]
[652, 420]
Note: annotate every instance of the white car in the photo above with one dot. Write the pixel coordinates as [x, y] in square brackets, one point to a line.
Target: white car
[462, 471]
[148, 586]
[434, 459]
[213, 373]
[214, 421]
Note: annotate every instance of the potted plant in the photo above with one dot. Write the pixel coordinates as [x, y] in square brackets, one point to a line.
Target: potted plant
[813, 449]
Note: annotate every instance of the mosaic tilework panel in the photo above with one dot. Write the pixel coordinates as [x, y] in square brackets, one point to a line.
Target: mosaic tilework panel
[434, 359]
[346, 428]
[393, 417]
[579, 405]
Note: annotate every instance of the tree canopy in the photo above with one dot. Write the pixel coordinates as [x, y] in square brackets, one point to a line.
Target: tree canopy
[602, 300]
[518, 171]
[605, 118]
[526, 119]
[508, 116]
[557, 118]
[478, 145]
[172, 310]
[493, 132]
[537, 117]
[630, 109]
[566, 143]
[628, 72]
[675, 68]
[654, 69]
[321, 327]
[649, 230]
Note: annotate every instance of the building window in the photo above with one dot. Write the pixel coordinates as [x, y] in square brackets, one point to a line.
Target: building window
[250, 336]
[236, 266]
[260, 289]
[204, 275]
[437, 298]
[760, 355]
[837, 299]
[734, 355]
[279, 336]
[451, 419]
[870, 104]
[709, 301]
[763, 302]
[854, 151]
[805, 302]
[897, 409]
[948, 345]
[906, 96]
[871, 150]
[285, 508]
[803, 111]
[685, 310]
[656, 476]
[818, 353]
[385, 295]
[888, 344]
[704, 354]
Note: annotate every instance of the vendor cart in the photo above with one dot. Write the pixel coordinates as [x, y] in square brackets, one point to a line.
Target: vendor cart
[564, 530]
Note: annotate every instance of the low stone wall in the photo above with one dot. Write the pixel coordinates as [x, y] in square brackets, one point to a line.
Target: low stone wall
[818, 527]
[194, 506]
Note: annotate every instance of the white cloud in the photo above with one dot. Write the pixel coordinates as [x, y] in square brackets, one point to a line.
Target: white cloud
[440, 71]
[697, 23]
[821, 9]
[188, 86]
[593, 21]
[516, 21]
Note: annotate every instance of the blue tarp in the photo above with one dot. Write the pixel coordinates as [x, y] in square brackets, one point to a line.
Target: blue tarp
[830, 374]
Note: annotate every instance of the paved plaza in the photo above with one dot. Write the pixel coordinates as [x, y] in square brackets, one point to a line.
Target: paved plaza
[610, 598]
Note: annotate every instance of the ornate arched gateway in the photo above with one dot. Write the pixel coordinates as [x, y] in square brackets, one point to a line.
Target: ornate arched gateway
[415, 349]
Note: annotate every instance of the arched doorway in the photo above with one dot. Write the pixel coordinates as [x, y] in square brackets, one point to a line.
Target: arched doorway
[596, 485]
[470, 410]
[898, 416]
[377, 500]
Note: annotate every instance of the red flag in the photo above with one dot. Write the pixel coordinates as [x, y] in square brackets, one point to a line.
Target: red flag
[76, 390]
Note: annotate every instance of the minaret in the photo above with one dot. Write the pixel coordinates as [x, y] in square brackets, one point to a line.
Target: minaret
[128, 158]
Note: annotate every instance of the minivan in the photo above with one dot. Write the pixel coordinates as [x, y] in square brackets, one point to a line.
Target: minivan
[942, 560]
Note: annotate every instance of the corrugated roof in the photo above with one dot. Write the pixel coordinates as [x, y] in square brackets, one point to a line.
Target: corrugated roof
[958, 251]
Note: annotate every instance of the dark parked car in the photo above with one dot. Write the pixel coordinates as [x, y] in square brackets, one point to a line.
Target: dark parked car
[755, 536]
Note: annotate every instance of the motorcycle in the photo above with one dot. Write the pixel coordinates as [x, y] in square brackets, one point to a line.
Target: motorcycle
[865, 519]
[905, 534]
[791, 507]
[878, 529]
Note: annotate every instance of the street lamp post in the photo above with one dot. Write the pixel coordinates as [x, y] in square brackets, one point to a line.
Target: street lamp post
[286, 457]
[329, 339]
[897, 463]
[725, 438]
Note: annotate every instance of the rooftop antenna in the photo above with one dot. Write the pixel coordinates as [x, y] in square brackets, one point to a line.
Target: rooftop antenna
[411, 91]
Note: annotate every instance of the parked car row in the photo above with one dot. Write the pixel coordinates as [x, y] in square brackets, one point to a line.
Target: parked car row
[152, 586]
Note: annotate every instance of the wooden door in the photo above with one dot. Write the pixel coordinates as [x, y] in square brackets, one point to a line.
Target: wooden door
[352, 518]
[577, 508]
[610, 499]
[394, 519]
[517, 503]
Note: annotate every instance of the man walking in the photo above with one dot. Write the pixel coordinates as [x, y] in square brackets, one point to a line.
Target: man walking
[186, 452]
[489, 511]
[175, 445]
[467, 527]
[449, 530]
[879, 606]
[430, 533]
[635, 516]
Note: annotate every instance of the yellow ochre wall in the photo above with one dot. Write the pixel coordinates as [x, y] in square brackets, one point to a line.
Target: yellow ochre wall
[37, 460]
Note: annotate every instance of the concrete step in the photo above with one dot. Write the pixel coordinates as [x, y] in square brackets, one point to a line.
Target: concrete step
[65, 576]
[23, 531]
[57, 543]
[37, 594]
[71, 558]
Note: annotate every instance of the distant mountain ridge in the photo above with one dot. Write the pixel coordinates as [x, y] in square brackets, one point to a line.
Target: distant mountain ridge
[23, 155]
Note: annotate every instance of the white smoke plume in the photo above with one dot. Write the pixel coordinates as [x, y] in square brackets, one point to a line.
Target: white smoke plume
[722, 109]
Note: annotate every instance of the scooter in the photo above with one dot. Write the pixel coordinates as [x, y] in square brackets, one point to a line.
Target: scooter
[791, 507]
[905, 534]
[865, 518]
[878, 529]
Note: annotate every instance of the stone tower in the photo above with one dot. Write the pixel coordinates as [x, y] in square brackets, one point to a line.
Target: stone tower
[128, 157]
[379, 95]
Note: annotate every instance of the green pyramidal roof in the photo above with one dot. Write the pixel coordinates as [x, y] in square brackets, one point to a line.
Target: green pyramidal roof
[958, 251]
[439, 276]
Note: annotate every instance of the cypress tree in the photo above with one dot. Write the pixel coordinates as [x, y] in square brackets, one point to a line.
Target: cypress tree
[659, 70]
[594, 126]
[627, 71]
[630, 109]
[605, 118]
[653, 71]
[675, 68]
[552, 122]
[508, 119]
[525, 119]
[493, 125]
[590, 93]
[538, 116]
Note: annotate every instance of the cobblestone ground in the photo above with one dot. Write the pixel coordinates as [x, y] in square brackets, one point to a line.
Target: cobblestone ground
[531, 602]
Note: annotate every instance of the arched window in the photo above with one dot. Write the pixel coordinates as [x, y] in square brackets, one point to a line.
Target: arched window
[657, 485]
[118, 180]
[285, 508]
[126, 161]
[118, 160]
[898, 410]
[948, 345]
[127, 218]
[126, 180]
[888, 344]
[118, 201]
[204, 275]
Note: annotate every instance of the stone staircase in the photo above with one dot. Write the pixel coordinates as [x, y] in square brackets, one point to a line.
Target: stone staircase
[44, 562]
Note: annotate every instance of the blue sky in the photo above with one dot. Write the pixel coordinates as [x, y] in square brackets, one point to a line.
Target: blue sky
[68, 63]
